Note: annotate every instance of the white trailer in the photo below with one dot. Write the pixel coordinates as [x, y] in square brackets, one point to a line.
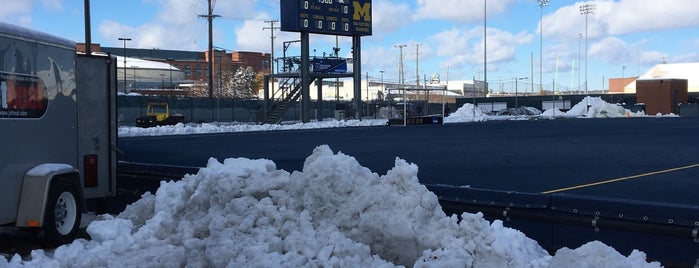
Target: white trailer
[57, 131]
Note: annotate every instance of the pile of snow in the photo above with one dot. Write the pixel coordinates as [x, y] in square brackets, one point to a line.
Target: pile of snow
[466, 113]
[184, 129]
[334, 213]
[598, 109]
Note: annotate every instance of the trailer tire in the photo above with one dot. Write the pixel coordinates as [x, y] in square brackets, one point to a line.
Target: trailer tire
[63, 211]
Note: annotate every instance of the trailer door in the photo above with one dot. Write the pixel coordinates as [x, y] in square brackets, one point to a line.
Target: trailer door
[97, 127]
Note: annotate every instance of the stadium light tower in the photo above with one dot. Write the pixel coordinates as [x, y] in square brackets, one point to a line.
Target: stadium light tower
[586, 9]
[542, 4]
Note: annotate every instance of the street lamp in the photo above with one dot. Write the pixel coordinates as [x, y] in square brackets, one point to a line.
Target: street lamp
[586, 9]
[516, 93]
[542, 4]
[169, 61]
[124, 39]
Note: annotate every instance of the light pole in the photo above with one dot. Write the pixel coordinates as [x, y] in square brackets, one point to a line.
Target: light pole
[485, 45]
[542, 4]
[170, 60]
[580, 37]
[162, 81]
[133, 84]
[586, 9]
[124, 39]
[383, 88]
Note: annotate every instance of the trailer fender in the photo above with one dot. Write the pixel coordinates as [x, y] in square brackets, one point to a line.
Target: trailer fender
[35, 192]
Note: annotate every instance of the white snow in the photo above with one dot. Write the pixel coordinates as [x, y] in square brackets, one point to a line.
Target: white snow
[333, 213]
[184, 129]
[47, 168]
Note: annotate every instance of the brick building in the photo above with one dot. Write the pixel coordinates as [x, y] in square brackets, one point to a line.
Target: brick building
[194, 64]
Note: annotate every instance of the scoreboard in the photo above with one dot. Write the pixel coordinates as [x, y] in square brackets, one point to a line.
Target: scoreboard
[331, 17]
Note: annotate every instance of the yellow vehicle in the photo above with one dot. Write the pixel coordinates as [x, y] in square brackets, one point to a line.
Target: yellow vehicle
[158, 114]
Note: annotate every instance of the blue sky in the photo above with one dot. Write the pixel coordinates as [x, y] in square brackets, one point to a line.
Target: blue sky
[625, 37]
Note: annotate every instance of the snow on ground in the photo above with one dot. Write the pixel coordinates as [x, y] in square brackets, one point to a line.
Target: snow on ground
[184, 129]
[333, 213]
[466, 113]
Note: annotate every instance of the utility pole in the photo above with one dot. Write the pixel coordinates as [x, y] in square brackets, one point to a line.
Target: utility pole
[271, 29]
[210, 17]
[401, 81]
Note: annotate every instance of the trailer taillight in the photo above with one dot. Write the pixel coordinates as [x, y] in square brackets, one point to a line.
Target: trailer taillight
[90, 170]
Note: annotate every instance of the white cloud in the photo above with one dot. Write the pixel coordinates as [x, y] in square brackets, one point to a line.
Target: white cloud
[16, 12]
[620, 17]
[250, 36]
[52, 4]
[465, 48]
[150, 35]
[458, 10]
[388, 16]
[628, 16]
[611, 50]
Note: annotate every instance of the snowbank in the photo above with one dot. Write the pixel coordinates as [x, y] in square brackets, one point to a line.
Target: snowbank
[466, 113]
[184, 129]
[599, 108]
[334, 213]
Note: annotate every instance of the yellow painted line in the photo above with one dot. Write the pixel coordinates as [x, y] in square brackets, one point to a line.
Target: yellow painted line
[620, 179]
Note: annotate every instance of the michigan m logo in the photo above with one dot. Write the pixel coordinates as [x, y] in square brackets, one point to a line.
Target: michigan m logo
[362, 11]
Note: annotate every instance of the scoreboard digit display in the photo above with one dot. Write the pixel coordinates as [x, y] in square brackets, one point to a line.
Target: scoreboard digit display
[332, 17]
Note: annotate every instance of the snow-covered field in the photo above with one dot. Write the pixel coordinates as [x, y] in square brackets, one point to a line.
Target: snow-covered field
[333, 213]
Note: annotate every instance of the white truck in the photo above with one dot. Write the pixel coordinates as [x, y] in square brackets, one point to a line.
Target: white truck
[57, 132]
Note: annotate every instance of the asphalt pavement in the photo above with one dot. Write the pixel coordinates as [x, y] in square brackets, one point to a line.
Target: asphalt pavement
[647, 159]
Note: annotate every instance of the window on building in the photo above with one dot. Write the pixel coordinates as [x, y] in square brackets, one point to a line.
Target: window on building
[187, 70]
[197, 70]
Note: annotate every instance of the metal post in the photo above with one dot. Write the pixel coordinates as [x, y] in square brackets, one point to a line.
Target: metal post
[542, 4]
[124, 39]
[485, 47]
[586, 9]
[357, 57]
[305, 78]
[172, 88]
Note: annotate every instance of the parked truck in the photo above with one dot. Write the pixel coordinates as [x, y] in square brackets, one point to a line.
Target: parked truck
[57, 132]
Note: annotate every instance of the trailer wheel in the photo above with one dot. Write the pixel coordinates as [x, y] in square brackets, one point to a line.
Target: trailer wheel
[63, 211]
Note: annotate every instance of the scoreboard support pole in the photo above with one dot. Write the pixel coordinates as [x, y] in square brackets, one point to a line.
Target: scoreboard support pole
[357, 75]
[305, 78]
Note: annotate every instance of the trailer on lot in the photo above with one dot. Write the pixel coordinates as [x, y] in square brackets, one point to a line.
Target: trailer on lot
[57, 131]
